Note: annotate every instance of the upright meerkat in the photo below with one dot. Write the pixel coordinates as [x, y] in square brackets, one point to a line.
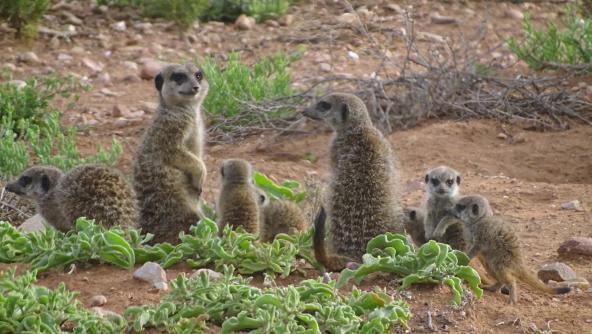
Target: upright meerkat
[168, 169]
[238, 202]
[442, 186]
[280, 217]
[91, 191]
[363, 195]
[414, 218]
[496, 245]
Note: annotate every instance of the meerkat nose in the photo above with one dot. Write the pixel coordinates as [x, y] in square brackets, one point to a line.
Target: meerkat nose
[195, 89]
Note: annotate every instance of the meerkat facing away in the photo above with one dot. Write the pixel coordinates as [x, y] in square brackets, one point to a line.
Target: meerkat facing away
[414, 218]
[496, 245]
[238, 202]
[280, 216]
[363, 195]
[442, 186]
[168, 169]
[91, 191]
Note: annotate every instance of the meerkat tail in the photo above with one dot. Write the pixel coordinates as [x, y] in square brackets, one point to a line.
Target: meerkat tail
[527, 277]
[330, 261]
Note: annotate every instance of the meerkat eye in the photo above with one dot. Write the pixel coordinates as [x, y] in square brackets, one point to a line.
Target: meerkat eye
[460, 207]
[323, 106]
[24, 181]
[450, 182]
[198, 76]
[179, 78]
[435, 182]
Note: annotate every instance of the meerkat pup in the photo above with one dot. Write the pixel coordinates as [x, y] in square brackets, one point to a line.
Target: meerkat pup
[414, 218]
[442, 186]
[496, 245]
[279, 217]
[363, 194]
[168, 169]
[91, 191]
[238, 202]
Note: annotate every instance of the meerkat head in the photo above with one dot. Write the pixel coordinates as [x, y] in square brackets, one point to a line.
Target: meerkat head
[180, 85]
[471, 209]
[35, 182]
[235, 171]
[442, 182]
[339, 110]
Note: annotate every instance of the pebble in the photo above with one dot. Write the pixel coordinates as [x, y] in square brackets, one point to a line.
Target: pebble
[131, 65]
[430, 37]
[120, 110]
[556, 271]
[353, 56]
[93, 65]
[325, 67]
[287, 20]
[104, 78]
[514, 14]
[108, 92]
[244, 22]
[119, 26]
[502, 135]
[98, 300]
[20, 84]
[572, 205]
[143, 26]
[122, 122]
[436, 18]
[576, 246]
[78, 50]
[28, 57]
[518, 138]
[395, 8]
[64, 57]
[347, 18]
[150, 272]
[161, 286]
[33, 224]
[212, 275]
[71, 18]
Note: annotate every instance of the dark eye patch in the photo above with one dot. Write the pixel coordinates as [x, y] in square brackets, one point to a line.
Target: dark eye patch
[198, 76]
[179, 78]
[450, 182]
[323, 106]
[24, 181]
[435, 182]
[460, 207]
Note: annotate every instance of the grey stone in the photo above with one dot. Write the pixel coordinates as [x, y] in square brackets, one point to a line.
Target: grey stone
[572, 205]
[98, 300]
[28, 57]
[436, 18]
[34, 224]
[556, 271]
[576, 246]
[212, 275]
[244, 22]
[150, 272]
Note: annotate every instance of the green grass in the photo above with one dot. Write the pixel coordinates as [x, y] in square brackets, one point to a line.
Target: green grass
[23, 15]
[543, 47]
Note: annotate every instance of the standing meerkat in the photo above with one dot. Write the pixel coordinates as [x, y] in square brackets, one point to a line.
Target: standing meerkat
[238, 202]
[280, 217]
[414, 218]
[168, 169]
[442, 186]
[91, 191]
[363, 195]
[496, 245]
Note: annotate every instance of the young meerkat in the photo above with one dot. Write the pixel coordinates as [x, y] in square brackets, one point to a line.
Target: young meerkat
[91, 191]
[168, 169]
[363, 194]
[496, 245]
[279, 217]
[238, 202]
[442, 186]
[414, 218]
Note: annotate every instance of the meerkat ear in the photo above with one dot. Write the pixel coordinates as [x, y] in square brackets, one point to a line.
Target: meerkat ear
[427, 178]
[458, 180]
[45, 183]
[222, 171]
[158, 82]
[344, 112]
[475, 209]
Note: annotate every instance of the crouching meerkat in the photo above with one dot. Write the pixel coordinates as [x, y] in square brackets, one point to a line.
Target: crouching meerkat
[363, 194]
[238, 202]
[279, 216]
[168, 169]
[95, 192]
[442, 186]
[496, 245]
[414, 218]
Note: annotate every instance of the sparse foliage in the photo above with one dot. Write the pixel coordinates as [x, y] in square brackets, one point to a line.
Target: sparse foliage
[23, 15]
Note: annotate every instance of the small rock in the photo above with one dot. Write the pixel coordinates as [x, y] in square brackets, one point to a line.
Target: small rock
[353, 56]
[120, 110]
[272, 23]
[28, 57]
[244, 22]
[518, 138]
[212, 275]
[143, 26]
[131, 65]
[78, 50]
[496, 55]
[514, 14]
[352, 265]
[395, 8]
[572, 205]
[119, 26]
[98, 300]
[161, 286]
[93, 65]
[287, 20]
[131, 78]
[101, 312]
[64, 57]
[502, 135]
[325, 67]
[556, 271]
[34, 224]
[102, 9]
[347, 18]
[442, 19]
[576, 246]
[104, 78]
[148, 107]
[429, 37]
[150, 68]
[20, 84]
[71, 18]
[150, 272]
[326, 277]
[122, 122]
[108, 92]
[54, 42]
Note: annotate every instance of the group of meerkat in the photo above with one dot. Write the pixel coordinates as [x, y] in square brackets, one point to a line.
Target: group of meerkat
[168, 177]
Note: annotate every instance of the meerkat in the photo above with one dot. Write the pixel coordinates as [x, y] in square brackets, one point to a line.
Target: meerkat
[442, 186]
[280, 217]
[238, 202]
[169, 172]
[496, 245]
[363, 194]
[414, 218]
[91, 191]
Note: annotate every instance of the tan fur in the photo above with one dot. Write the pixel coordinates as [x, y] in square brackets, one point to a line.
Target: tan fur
[168, 169]
[414, 218]
[94, 192]
[496, 245]
[280, 217]
[238, 200]
[363, 195]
